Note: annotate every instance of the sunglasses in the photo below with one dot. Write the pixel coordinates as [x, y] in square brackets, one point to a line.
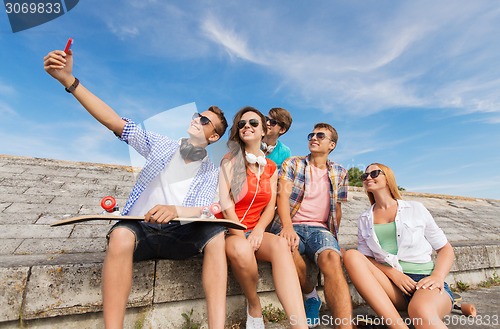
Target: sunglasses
[273, 122]
[204, 120]
[320, 136]
[252, 122]
[372, 174]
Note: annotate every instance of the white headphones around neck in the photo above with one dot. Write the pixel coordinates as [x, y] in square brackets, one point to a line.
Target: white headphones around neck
[261, 161]
[252, 158]
[267, 148]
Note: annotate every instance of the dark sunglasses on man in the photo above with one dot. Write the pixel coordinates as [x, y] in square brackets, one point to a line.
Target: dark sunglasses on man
[372, 174]
[253, 122]
[273, 122]
[204, 120]
[320, 136]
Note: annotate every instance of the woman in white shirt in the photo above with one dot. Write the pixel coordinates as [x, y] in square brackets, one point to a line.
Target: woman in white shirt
[392, 268]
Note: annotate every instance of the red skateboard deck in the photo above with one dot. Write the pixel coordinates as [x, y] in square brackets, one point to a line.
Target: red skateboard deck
[187, 220]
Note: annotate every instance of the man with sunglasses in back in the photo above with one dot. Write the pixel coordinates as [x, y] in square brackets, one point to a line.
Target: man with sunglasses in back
[178, 180]
[311, 189]
[278, 122]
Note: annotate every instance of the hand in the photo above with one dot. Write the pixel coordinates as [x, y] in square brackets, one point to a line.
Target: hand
[60, 66]
[255, 238]
[291, 236]
[431, 282]
[402, 281]
[161, 214]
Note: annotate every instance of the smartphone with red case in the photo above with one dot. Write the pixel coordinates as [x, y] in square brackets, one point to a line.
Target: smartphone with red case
[68, 45]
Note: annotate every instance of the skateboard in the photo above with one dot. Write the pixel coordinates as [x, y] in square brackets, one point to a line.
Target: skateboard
[84, 218]
[466, 309]
[111, 212]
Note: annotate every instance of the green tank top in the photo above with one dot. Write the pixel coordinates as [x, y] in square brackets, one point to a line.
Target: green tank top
[386, 234]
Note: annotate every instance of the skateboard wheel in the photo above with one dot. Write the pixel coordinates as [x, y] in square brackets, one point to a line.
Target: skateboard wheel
[468, 309]
[108, 203]
[215, 208]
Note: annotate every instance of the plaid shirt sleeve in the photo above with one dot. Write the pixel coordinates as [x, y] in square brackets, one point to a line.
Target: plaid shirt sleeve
[141, 140]
[343, 184]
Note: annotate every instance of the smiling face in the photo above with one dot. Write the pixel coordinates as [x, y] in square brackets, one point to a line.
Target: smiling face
[321, 141]
[204, 133]
[250, 133]
[380, 179]
[372, 184]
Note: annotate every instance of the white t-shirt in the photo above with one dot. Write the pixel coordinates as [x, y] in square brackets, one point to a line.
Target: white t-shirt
[170, 187]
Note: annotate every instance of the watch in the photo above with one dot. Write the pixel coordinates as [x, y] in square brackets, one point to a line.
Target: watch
[72, 88]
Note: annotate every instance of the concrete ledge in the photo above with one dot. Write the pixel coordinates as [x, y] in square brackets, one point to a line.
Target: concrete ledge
[50, 277]
[167, 287]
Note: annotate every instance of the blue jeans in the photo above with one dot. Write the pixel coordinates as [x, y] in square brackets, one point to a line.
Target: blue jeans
[314, 240]
[418, 277]
[169, 241]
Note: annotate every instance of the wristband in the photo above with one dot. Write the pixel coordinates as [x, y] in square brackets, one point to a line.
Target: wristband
[72, 88]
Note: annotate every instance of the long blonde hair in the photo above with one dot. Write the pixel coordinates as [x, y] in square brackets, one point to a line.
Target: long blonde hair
[391, 182]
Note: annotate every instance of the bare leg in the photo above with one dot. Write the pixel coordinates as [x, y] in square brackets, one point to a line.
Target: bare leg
[244, 266]
[336, 289]
[427, 308]
[375, 288]
[215, 266]
[275, 250]
[117, 276]
[300, 265]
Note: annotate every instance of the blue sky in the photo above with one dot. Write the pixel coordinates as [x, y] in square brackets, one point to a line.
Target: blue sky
[412, 84]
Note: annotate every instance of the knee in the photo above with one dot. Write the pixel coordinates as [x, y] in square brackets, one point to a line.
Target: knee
[329, 259]
[217, 243]
[280, 246]
[421, 311]
[351, 257]
[121, 241]
[239, 253]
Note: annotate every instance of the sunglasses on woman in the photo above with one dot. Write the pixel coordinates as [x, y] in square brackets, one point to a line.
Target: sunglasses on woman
[372, 174]
[320, 136]
[273, 122]
[204, 120]
[253, 122]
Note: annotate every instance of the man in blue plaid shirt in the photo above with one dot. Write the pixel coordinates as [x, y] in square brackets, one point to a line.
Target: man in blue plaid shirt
[311, 189]
[177, 180]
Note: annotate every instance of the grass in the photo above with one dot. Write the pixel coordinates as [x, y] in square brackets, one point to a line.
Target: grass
[273, 314]
[189, 323]
[490, 282]
[461, 286]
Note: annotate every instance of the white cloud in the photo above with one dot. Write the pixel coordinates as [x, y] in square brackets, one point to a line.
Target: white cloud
[6, 110]
[7, 89]
[234, 44]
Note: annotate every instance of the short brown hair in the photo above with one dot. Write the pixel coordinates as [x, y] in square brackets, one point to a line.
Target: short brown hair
[282, 116]
[335, 136]
[221, 128]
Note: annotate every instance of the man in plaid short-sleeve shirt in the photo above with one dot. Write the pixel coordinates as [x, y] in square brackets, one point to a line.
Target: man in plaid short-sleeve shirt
[177, 180]
[311, 189]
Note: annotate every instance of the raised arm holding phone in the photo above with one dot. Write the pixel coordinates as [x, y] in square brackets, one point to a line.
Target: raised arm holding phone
[177, 180]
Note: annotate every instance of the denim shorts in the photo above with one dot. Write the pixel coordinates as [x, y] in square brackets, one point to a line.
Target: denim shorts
[169, 241]
[314, 240]
[418, 277]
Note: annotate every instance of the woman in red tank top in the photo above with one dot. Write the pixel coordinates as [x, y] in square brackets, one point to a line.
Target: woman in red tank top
[248, 184]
